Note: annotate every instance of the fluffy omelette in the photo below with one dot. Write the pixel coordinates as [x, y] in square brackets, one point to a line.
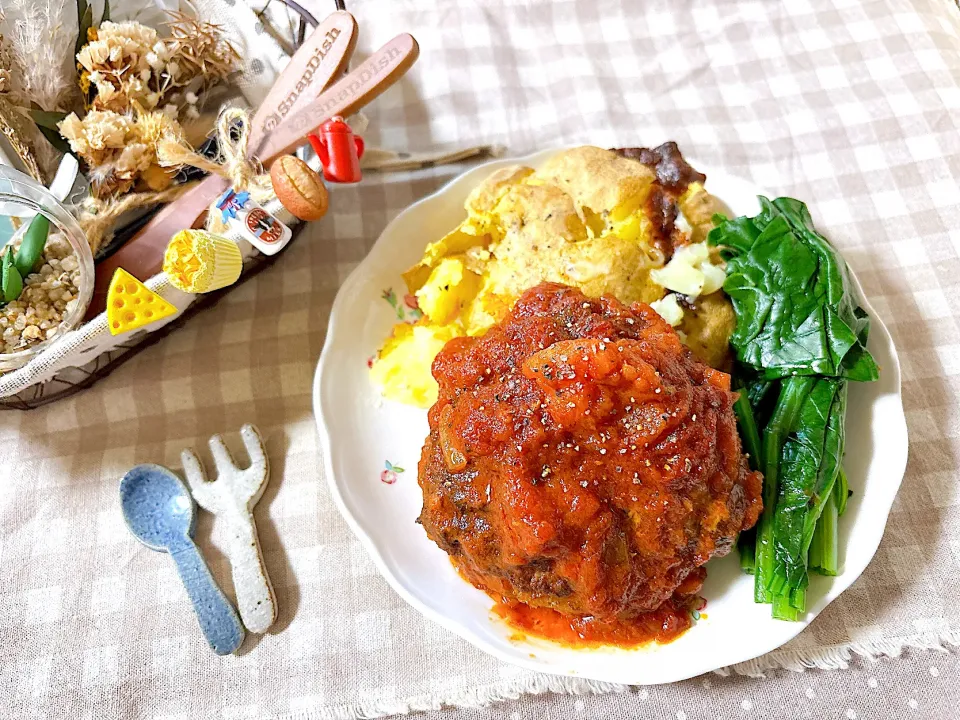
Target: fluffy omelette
[629, 223]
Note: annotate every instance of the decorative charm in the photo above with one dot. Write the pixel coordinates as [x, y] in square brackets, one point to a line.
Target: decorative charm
[232, 497]
[260, 228]
[299, 188]
[159, 512]
[339, 150]
[197, 261]
[131, 304]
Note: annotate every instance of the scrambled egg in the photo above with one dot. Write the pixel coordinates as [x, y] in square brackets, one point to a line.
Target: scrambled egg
[578, 220]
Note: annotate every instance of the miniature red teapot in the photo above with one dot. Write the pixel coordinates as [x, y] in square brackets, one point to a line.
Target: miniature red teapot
[339, 150]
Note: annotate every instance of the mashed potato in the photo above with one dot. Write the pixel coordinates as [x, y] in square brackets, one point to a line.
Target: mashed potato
[587, 218]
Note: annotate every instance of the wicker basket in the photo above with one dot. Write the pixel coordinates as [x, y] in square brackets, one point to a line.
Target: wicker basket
[77, 359]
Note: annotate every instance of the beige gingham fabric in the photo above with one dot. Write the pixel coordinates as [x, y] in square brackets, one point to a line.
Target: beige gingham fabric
[850, 105]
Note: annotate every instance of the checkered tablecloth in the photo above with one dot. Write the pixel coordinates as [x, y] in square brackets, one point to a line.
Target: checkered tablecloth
[851, 105]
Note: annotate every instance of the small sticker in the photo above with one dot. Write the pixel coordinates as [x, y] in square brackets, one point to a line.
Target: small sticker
[265, 232]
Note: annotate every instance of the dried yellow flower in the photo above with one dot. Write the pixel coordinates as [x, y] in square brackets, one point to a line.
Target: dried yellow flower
[119, 48]
[131, 73]
[116, 63]
[134, 159]
[10, 69]
[200, 50]
[98, 136]
[127, 62]
[151, 127]
[119, 149]
[157, 178]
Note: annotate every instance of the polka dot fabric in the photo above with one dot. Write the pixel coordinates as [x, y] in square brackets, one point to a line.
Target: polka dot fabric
[851, 105]
[900, 688]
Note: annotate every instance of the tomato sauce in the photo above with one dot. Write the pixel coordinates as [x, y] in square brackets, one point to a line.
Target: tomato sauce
[662, 625]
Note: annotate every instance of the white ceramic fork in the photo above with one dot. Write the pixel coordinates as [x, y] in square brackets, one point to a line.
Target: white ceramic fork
[232, 497]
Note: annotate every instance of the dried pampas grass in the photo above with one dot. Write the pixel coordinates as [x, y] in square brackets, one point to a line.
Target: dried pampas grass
[9, 67]
[40, 34]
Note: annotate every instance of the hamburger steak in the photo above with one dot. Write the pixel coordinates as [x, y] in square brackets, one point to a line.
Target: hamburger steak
[581, 461]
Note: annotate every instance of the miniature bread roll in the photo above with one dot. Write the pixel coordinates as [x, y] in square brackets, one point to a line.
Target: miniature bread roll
[197, 261]
[299, 188]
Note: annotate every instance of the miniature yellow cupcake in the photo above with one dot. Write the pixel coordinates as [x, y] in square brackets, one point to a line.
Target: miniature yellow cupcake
[197, 261]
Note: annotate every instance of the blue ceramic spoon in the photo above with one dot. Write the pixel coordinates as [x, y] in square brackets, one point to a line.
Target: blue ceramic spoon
[161, 514]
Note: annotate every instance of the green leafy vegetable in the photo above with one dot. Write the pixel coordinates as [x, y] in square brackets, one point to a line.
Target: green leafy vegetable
[789, 404]
[824, 548]
[748, 428]
[809, 465]
[800, 337]
[31, 247]
[751, 440]
[791, 294]
[842, 492]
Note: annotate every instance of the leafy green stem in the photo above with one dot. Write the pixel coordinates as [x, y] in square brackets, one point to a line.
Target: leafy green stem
[792, 392]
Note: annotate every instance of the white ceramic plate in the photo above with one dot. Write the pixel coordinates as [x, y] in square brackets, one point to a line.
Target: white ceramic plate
[361, 432]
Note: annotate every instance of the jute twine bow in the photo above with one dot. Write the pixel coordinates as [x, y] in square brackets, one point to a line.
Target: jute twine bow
[233, 139]
[97, 217]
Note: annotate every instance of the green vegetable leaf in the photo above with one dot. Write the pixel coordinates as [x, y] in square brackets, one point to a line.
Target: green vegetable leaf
[10, 281]
[784, 421]
[796, 312]
[809, 466]
[800, 336]
[31, 247]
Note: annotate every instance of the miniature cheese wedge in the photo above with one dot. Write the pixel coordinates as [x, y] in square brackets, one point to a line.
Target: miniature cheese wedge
[131, 304]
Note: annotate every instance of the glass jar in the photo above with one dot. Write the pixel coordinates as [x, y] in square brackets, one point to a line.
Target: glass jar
[22, 197]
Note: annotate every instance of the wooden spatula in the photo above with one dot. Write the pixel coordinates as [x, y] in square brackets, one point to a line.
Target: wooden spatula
[320, 60]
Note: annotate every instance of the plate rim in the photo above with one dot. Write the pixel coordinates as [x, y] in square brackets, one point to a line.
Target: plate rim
[524, 661]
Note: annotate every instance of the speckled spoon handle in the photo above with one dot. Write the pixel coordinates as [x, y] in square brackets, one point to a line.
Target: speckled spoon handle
[218, 619]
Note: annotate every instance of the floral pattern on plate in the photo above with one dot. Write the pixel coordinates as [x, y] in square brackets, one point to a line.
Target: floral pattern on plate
[389, 474]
